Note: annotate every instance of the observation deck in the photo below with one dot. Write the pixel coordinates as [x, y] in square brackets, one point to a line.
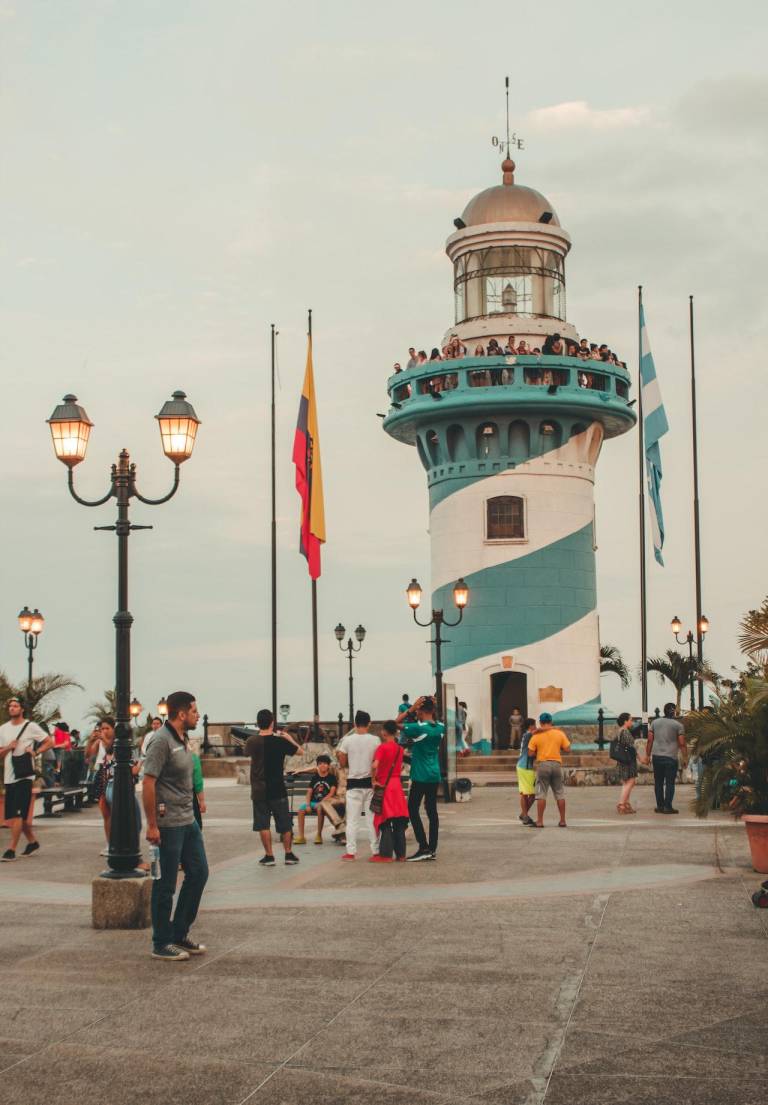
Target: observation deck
[511, 387]
[477, 416]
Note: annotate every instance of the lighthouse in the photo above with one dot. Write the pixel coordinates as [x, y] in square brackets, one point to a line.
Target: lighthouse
[510, 443]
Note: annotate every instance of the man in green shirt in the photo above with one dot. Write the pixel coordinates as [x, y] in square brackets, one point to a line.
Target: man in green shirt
[422, 738]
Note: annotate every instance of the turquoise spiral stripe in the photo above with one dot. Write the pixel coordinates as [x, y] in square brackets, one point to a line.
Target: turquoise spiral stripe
[522, 601]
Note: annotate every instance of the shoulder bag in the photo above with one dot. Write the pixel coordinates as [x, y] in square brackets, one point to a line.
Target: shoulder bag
[377, 798]
[619, 752]
[23, 764]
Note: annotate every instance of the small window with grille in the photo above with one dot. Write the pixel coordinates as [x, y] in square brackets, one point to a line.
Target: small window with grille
[505, 518]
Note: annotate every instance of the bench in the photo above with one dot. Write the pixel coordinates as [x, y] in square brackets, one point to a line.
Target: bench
[70, 798]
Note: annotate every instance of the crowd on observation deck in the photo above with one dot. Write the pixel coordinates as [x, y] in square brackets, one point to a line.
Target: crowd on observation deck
[553, 346]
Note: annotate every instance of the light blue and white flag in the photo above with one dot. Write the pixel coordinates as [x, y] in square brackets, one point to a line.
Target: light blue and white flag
[655, 425]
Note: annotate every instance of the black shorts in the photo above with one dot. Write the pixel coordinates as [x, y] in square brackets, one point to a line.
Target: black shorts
[17, 799]
[276, 808]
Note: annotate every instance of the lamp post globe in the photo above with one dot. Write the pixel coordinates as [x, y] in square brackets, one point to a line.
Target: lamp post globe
[339, 632]
[413, 592]
[70, 430]
[360, 634]
[162, 708]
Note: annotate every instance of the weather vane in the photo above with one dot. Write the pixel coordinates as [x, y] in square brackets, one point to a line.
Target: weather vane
[512, 141]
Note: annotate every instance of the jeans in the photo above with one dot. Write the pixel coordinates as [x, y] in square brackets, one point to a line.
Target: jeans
[428, 793]
[359, 799]
[182, 845]
[664, 775]
[392, 837]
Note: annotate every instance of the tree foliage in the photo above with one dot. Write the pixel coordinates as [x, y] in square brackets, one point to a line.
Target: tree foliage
[677, 669]
[612, 663]
[40, 705]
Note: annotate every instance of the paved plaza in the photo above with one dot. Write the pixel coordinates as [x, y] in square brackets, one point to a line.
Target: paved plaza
[617, 961]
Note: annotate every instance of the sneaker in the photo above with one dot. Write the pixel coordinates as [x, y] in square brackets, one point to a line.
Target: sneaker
[267, 861]
[299, 840]
[659, 809]
[290, 858]
[341, 840]
[432, 855]
[318, 839]
[104, 852]
[31, 848]
[8, 856]
[380, 859]
[168, 951]
[527, 821]
[419, 855]
[349, 855]
[670, 810]
[339, 832]
[187, 945]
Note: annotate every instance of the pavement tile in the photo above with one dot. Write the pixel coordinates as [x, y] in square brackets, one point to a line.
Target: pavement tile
[118, 1076]
[309, 1087]
[601, 1054]
[631, 1089]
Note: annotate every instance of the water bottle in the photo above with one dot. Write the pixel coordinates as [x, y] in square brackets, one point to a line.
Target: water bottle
[154, 861]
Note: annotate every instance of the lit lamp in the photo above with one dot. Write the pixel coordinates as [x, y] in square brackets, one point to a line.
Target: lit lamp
[178, 427]
[31, 624]
[676, 625]
[413, 591]
[70, 430]
[438, 620]
[703, 625]
[461, 594]
[162, 707]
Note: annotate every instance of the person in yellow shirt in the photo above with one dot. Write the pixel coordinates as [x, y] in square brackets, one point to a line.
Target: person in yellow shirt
[548, 745]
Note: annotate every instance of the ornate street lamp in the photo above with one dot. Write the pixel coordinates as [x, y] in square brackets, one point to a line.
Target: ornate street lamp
[134, 709]
[350, 648]
[676, 625]
[31, 624]
[70, 430]
[438, 620]
[162, 708]
[285, 710]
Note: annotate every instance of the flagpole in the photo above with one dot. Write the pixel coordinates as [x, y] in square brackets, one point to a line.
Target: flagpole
[315, 671]
[274, 531]
[641, 498]
[696, 533]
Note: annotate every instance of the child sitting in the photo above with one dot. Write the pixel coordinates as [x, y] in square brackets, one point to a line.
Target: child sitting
[322, 786]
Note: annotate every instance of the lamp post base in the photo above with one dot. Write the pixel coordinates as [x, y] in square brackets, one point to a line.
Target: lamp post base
[132, 874]
[121, 903]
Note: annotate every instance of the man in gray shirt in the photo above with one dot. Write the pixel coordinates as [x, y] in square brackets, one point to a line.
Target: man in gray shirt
[171, 824]
[666, 740]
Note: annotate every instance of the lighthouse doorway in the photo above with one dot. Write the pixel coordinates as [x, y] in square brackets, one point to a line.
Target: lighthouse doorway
[508, 689]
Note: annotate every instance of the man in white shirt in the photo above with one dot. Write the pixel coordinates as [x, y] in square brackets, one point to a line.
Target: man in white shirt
[20, 740]
[355, 753]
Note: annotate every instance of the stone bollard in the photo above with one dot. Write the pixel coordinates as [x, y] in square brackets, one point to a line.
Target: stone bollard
[121, 903]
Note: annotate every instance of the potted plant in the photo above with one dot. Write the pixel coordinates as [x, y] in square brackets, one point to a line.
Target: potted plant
[730, 738]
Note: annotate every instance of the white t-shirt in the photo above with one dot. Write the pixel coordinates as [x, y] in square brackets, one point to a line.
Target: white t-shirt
[33, 736]
[359, 749]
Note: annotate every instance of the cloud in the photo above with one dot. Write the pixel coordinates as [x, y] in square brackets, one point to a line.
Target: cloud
[578, 115]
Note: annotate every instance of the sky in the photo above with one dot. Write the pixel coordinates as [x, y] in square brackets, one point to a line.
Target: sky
[178, 176]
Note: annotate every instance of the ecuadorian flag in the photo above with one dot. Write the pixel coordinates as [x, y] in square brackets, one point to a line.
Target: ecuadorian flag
[309, 476]
[655, 425]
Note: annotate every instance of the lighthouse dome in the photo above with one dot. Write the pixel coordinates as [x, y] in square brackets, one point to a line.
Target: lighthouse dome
[508, 203]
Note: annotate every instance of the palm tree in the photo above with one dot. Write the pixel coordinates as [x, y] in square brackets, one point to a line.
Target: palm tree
[753, 639]
[107, 707]
[36, 695]
[731, 737]
[676, 669]
[611, 661]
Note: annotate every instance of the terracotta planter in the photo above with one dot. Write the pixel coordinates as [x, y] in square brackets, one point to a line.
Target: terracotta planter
[757, 835]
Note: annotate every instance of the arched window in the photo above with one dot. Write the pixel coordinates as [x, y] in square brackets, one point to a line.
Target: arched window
[488, 440]
[433, 446]
[505, 518]
[457, 448]
[519, 441]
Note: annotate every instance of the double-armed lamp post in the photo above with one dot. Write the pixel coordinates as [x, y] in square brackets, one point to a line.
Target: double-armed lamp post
[31, 624]
[70, 430]
[350, 648]
[438, 620]
[689, 639]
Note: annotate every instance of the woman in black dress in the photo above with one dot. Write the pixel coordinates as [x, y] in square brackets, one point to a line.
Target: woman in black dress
[627, 771]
